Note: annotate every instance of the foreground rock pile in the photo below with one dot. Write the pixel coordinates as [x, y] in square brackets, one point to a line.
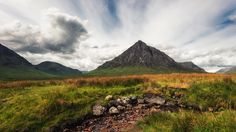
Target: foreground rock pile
[122, 113]
[116, 106]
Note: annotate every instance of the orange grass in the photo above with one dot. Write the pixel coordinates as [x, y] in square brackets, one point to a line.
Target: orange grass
[169, 80]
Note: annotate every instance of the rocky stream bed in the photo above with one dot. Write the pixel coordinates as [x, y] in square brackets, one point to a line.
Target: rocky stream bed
[122, 113]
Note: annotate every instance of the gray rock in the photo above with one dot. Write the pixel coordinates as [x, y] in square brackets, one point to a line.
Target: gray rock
[140, 101]
[148, 95]
[129, 107]
[146, 106]
[133, 100]
[113, 110]
[113, 103]
[98, 110]
[123, 101]
[121, 108]
[170, 104]
[109, 97]
[155, 100]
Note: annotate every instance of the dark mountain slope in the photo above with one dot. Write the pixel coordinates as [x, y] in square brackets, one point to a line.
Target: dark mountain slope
[10, 58]
[191, 66]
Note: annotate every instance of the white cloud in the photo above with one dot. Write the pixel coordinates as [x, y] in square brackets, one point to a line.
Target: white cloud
[58, 32]
[186, 30]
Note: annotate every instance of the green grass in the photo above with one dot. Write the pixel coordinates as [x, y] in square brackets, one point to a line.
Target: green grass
[131, 71]
[22, 73]
[41, 108]
[43, 105]
[218, 95]
[188, 121]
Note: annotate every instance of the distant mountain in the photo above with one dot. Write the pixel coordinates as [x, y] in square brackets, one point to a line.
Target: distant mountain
[191, 66]
[10, 58]
[15, 67]
[141, 58]
[56, 69]
[227, 70]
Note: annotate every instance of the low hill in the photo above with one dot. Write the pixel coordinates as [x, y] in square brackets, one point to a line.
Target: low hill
[228, 70]
[57, 69]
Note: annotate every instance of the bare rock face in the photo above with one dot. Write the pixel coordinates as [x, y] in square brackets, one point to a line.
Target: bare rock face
[98, 110]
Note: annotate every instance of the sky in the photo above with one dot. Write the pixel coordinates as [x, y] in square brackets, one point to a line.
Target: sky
[83, 34]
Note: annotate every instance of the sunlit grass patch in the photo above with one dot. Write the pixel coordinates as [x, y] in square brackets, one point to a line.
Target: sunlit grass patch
[42, 108]
[187, 121]
[218, 95]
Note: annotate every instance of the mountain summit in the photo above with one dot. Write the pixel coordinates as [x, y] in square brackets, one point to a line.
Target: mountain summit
[140, 57]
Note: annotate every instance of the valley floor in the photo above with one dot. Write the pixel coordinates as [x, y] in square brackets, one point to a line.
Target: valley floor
[205, 102]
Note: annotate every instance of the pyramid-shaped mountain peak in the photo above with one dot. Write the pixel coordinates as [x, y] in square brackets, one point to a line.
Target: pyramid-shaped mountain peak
[144, 56]
[140, 54]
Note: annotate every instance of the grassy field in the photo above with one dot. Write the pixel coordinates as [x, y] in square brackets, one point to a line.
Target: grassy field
[134, 70]
[189, 121]
[44, 105]
[215, 102]
[16, 73]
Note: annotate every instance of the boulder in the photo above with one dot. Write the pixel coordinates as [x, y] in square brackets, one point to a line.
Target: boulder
[113, 110]
[123, 101]
[109, 97]
[113, 103]
[155, 100]
[98, 110]
[129, 106]
[170, 104]
[120, 108]
[146, 106]
[133, 100]
[140, 101]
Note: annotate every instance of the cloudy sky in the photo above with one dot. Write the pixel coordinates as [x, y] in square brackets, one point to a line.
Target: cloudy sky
[85, 33]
